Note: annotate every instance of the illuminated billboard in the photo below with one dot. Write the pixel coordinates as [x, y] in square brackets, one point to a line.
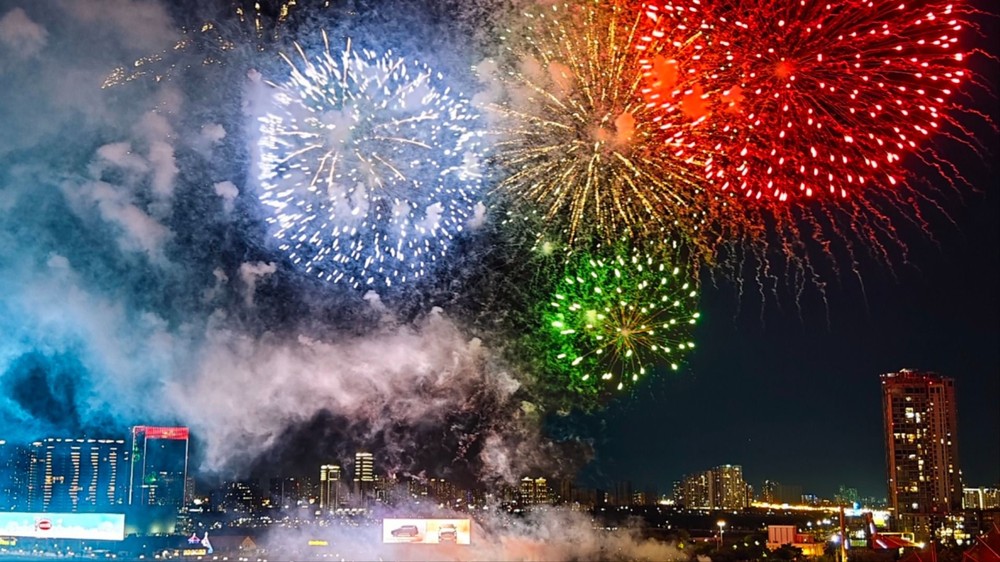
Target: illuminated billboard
[427, 531]
[86, 526]
[154, 432]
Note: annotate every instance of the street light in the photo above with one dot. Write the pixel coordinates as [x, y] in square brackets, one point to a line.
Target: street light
[722, 529]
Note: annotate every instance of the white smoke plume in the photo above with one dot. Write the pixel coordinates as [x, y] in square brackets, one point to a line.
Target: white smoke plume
[554, 533]
[21, 36]
[139, 284]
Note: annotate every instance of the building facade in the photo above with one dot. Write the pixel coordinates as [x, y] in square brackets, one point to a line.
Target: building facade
[730, 490]
[158, 472]
[14, 461]
[695, 490]
[533, 491]
[364, 476]
[288, 492]
[77, 475]
[981, 498]
[920, 423]
[722, 487]
[329, 486]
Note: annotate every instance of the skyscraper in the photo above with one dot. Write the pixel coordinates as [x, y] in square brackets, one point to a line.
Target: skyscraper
[921, 447]
[722, 487]
[77, 475]
[159, 466]
[695, 490]
[534, 491]
[364, 475]
[14, 461]
[729, 489]
[329, 486]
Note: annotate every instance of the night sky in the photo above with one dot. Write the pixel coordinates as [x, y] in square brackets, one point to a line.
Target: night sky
[140, 284]
[798, 399]
[792, 393]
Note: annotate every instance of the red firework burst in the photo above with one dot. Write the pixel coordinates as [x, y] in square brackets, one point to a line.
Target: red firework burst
[799, 98]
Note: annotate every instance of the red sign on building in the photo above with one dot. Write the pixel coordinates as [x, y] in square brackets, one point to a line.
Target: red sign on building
[154, 432]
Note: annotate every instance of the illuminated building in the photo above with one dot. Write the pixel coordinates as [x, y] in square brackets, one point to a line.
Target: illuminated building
[364, 475]
[534, 491]
[768, 492]
[289, 492]
[991, 498]
[329, 486]
[722, 487]
[846, 496]
[189, 490]
[159, 466]
[442, 490]
[417, 488]
[157, 479]
[14, 461]
[729, 490]
[981, 498]
[387, 489]
[437, 489]
[695, 490]
[238, 496]
[77, 475]
[920, 425]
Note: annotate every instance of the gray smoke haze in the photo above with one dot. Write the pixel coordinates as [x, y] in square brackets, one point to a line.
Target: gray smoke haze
[553, 534]
[139, 283]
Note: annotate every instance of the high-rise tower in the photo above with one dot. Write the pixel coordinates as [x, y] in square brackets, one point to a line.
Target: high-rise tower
[364, 475]
[77, 475]
[159, 466]
[329, 486]
[921, 448]
[14, 462]
[729, 489]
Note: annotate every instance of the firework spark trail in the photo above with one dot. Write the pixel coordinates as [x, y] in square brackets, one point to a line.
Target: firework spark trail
[579, 139]
[370, 166]
[811, 111]
[831, 96]
[211, 36]
[611, 317]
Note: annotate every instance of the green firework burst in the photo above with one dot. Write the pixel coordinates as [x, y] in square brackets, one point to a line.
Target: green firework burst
[613, 316]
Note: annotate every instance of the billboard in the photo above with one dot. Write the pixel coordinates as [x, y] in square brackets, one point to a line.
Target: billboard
[155, 432]
[427, 531]
[86, 526]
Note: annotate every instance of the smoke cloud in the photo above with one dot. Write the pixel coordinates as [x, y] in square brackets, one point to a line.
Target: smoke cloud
[21, 36]
[140, 284]
[553, 534]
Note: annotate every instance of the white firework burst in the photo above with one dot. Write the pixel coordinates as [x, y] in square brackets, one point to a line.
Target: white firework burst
[370, 164]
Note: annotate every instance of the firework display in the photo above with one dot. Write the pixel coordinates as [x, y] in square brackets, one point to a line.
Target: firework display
[774, 138]
[369, 164]
[814, 99]
[579, 138]
[243, 26]
[739, 130]
[612, 316]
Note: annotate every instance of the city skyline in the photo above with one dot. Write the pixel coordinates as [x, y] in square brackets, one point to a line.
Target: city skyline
[333, 481]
